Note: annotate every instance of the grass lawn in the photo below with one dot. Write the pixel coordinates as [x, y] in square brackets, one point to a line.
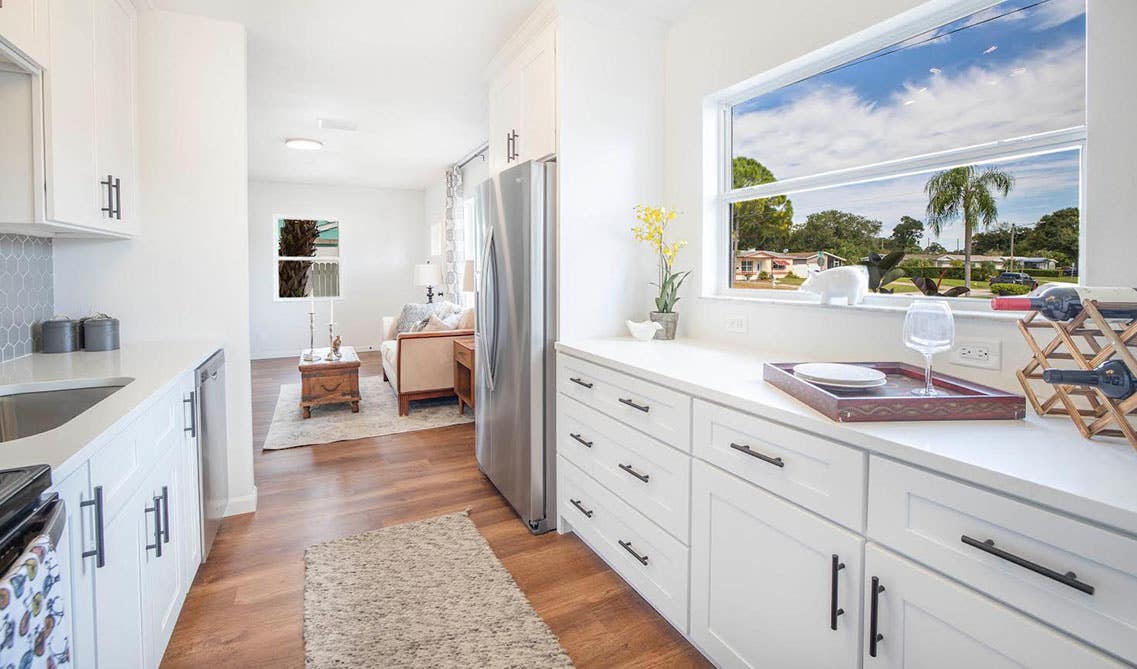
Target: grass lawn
[979, 289]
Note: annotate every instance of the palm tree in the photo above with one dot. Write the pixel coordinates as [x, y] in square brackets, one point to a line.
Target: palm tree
[967, 192]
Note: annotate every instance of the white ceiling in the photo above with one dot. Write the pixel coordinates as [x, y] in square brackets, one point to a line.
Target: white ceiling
[409, 73]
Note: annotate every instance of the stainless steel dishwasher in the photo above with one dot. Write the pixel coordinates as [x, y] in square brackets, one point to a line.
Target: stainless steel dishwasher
[212, 446]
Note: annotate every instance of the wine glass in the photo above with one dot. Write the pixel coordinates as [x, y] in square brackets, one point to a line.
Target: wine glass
[929, 328]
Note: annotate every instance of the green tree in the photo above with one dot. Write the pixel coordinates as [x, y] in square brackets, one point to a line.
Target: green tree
[848, 235]
[1057, 231]
[966, 192]
[298, 240]
[935, 248]
[763, 223]
[906, 235]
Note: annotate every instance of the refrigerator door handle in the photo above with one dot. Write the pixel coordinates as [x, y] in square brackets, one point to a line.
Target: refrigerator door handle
[488, 354]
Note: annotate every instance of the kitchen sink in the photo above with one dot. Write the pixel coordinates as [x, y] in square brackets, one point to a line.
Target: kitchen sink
[32, 408]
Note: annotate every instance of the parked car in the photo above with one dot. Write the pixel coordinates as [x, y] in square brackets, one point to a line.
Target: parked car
[1020, 278]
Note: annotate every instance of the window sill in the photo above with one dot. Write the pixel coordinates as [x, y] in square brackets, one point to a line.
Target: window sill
[894, 304]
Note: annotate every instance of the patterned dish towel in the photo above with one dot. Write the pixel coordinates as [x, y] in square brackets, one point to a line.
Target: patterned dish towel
[31, 611]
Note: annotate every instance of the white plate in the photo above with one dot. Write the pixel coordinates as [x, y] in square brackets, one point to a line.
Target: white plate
[834, 374]
[848, 386]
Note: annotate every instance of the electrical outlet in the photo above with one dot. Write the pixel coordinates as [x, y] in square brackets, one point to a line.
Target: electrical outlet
[977, 353]
[736, 323]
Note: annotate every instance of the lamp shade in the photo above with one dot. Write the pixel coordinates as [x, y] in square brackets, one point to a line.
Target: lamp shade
[468, 277]
[428, 275]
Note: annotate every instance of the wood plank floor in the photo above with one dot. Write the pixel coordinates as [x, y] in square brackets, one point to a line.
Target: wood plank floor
[245, 608]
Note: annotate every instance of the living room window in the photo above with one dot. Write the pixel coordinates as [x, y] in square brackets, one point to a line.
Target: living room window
[956, 138]
[307, 258]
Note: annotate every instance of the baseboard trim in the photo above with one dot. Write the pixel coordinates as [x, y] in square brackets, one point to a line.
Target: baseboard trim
[244, 504]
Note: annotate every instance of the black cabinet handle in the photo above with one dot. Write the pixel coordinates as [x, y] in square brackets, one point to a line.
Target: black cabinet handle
[509, 147]
[833, 610]
[580, 382]
[641, 407]
[117, 199]
[192, 402]
[580, 507]
[99, 553]
[627, 545]
[514, 154]
[157, 510]
[165, 515]
[1069, 578]
[777, 462]
[581, 439]
[109, 183]
[633, 472]
[874, 636]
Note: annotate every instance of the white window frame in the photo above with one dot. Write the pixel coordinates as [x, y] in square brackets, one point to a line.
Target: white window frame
[718, 265]
[337, 259]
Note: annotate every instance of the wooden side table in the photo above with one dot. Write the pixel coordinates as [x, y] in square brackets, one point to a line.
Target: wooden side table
[329, 381]
[464, 372]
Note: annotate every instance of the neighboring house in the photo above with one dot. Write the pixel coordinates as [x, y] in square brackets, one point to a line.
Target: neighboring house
[749, 264]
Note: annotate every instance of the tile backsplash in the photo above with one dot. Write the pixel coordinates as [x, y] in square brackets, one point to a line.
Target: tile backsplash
[27, 294]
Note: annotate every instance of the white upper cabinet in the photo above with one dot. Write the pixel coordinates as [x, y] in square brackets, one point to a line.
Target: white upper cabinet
[90, 98]
[523, 105]
[24, 25]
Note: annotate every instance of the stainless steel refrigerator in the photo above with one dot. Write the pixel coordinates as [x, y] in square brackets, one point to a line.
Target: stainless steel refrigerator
[515, 223]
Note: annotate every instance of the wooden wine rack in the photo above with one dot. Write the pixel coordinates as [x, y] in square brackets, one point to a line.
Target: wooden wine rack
[1087, 340]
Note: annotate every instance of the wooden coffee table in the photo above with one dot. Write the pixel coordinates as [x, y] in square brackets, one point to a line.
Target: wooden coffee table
[329, 381]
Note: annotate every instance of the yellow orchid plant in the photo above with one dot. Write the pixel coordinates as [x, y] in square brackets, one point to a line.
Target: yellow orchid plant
[652, 228]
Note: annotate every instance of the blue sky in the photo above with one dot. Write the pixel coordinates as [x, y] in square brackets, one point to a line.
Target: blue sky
[1008, 71]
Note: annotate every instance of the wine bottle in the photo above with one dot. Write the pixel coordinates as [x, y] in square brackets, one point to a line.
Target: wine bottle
[1062, 301]
[1112, 378]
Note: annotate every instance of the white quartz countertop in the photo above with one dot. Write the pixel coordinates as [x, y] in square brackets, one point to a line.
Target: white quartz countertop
[1041, 460]
[152, 368]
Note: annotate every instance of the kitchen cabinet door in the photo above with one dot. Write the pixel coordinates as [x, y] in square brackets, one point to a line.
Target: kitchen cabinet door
[505, 120]
[538, 70]
[767, 579]
[115, 99]
[190, 518]
[163, 581]
[118, 586]
[73, 191]
[79, 572]
[924, 621]
[23, 24]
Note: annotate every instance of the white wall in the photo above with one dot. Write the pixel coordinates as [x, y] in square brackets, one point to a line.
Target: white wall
[717, 46]
[187, 275]
[381, 238]
[433, 212]
[610, 158]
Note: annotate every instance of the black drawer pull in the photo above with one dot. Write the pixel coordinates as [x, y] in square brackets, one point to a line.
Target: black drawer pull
[874, 636]
[627, 545]
[633, 472]
[833, 610]
[580, 382]
[581, 439]
[641, 407]
[157, 510]
[1069, 578]
[777, 462]
[579, 507]
[99, 552]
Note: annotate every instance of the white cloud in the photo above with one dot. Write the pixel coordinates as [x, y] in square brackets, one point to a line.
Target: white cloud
[830, 127]
[1054, 13]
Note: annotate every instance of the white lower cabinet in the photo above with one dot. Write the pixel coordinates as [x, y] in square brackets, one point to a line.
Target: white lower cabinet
[771, 585]
[133, 537]
[924, 621]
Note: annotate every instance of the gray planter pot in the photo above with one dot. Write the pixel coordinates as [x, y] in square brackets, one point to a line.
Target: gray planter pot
[669, 321]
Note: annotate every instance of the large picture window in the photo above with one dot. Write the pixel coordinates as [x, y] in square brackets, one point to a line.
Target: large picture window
[307, 258]
[959, 145]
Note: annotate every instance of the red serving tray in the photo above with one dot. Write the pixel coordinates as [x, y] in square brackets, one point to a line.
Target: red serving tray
[963, 400]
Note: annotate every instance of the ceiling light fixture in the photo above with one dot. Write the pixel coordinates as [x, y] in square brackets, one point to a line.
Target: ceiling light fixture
[302, 144]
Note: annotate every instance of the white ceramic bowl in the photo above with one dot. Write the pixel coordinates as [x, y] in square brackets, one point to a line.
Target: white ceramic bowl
[643, 330]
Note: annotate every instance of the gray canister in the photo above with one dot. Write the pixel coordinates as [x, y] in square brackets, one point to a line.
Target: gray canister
[60, 335]
[100, 333]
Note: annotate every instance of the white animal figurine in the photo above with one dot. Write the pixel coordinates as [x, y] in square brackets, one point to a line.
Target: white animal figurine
[644, 330]
[851, 282]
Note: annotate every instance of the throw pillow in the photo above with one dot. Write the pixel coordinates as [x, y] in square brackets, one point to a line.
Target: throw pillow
[466, 322]
[436, 324]
[413, 314]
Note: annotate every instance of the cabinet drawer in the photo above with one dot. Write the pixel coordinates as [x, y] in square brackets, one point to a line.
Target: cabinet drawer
[650, 476]
[948, 525]
[819, 474]
[464, 357]
[649, 559]
[661, 412]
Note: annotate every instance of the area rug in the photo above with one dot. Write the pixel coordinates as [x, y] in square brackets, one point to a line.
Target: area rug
[378, 415]
[425, 594]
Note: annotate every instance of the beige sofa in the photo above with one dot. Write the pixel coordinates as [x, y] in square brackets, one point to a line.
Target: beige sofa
[419, 365]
